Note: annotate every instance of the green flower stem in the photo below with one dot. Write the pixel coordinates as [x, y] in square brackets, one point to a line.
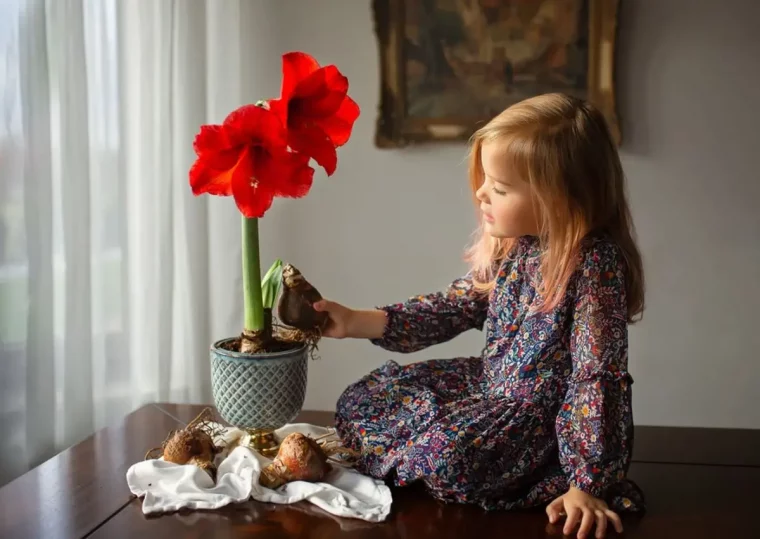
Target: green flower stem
[252, 300]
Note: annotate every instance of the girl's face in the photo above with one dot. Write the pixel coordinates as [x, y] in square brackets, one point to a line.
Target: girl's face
[506, 201]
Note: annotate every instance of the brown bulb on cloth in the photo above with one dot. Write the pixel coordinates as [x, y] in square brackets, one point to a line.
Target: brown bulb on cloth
[298, 296]
[193, 444]
[299, 458]
[186, 444]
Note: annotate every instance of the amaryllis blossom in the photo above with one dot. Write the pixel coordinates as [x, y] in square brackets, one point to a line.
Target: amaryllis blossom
[315, 108]
[247, 157]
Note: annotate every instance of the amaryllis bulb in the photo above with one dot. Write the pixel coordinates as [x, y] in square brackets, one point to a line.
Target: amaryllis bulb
[299, 458]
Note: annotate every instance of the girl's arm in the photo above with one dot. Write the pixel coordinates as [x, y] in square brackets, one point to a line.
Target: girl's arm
[430, 319]
[594, 425]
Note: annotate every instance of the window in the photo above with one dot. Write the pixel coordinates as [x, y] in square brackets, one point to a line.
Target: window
[105, 202]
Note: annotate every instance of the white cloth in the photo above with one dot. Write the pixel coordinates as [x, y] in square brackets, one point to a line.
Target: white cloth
[169, 487]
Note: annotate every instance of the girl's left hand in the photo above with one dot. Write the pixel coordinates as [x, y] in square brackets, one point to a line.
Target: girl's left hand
[584, 509]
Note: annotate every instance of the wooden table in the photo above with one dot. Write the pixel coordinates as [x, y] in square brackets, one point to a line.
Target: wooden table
[699, 483]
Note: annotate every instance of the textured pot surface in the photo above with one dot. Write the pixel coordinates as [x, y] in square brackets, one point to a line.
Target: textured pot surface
[258, 390]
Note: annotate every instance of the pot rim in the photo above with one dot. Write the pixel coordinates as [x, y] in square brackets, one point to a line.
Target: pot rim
[265, 356]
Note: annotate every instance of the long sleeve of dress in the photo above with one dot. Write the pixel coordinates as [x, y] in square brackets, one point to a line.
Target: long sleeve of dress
[426, 320]
[595, 425]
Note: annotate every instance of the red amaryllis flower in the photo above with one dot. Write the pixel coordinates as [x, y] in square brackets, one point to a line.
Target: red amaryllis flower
[314, 106]
[247, 157]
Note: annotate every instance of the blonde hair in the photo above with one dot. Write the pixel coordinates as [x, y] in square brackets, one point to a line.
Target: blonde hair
[562, 146]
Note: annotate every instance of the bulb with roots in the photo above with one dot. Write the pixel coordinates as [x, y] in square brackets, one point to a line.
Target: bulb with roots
[299, 458]
[298, 296]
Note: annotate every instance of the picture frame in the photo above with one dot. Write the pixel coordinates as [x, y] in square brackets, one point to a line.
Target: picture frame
[446, 69]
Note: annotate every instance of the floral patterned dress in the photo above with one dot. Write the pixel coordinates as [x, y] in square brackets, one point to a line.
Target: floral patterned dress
[546, 405]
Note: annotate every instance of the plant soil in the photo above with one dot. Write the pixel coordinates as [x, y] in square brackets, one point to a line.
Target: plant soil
[283, 339]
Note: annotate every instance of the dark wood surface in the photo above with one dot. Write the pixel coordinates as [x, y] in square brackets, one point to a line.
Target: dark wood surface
[73, 493]
[718, 447]
[699, 483]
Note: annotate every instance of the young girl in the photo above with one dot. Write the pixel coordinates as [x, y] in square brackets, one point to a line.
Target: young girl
[543, 415]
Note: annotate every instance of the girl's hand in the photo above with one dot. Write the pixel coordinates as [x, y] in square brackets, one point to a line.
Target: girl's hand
[345, 322]
[339, 318]
[583, 509]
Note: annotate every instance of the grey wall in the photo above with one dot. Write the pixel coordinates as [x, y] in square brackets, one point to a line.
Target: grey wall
[688, 75]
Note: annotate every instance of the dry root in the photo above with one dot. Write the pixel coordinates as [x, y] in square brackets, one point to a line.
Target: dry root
[310, 338]
[348, 456]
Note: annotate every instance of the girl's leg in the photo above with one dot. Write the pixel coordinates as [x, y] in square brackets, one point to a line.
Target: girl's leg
[382, 412]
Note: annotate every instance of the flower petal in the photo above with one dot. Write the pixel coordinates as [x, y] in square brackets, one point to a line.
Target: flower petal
[313, 142]
[338, 126]
[296, 176]
[252, 196]
[204, 179]
[296, 66]
[254, 125]
[280, 108]
[320, 94]
[211, 138]
[213, 146]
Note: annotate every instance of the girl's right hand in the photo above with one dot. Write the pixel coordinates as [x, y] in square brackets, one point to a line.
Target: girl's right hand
[344, 322]
[338, 326]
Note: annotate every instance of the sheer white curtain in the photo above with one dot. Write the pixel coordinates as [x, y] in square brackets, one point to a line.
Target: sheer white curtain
[114, 279]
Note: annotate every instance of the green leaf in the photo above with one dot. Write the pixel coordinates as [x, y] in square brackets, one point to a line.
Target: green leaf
[270, 284]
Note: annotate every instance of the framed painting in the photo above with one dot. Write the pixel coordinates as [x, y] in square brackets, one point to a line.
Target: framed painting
[449, 66]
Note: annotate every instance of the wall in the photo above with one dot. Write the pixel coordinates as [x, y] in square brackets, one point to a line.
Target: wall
[687, 74]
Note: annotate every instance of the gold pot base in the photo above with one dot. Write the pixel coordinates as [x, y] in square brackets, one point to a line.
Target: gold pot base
[264, 441]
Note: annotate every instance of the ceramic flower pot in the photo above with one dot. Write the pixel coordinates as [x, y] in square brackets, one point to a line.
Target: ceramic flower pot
[258, 392]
